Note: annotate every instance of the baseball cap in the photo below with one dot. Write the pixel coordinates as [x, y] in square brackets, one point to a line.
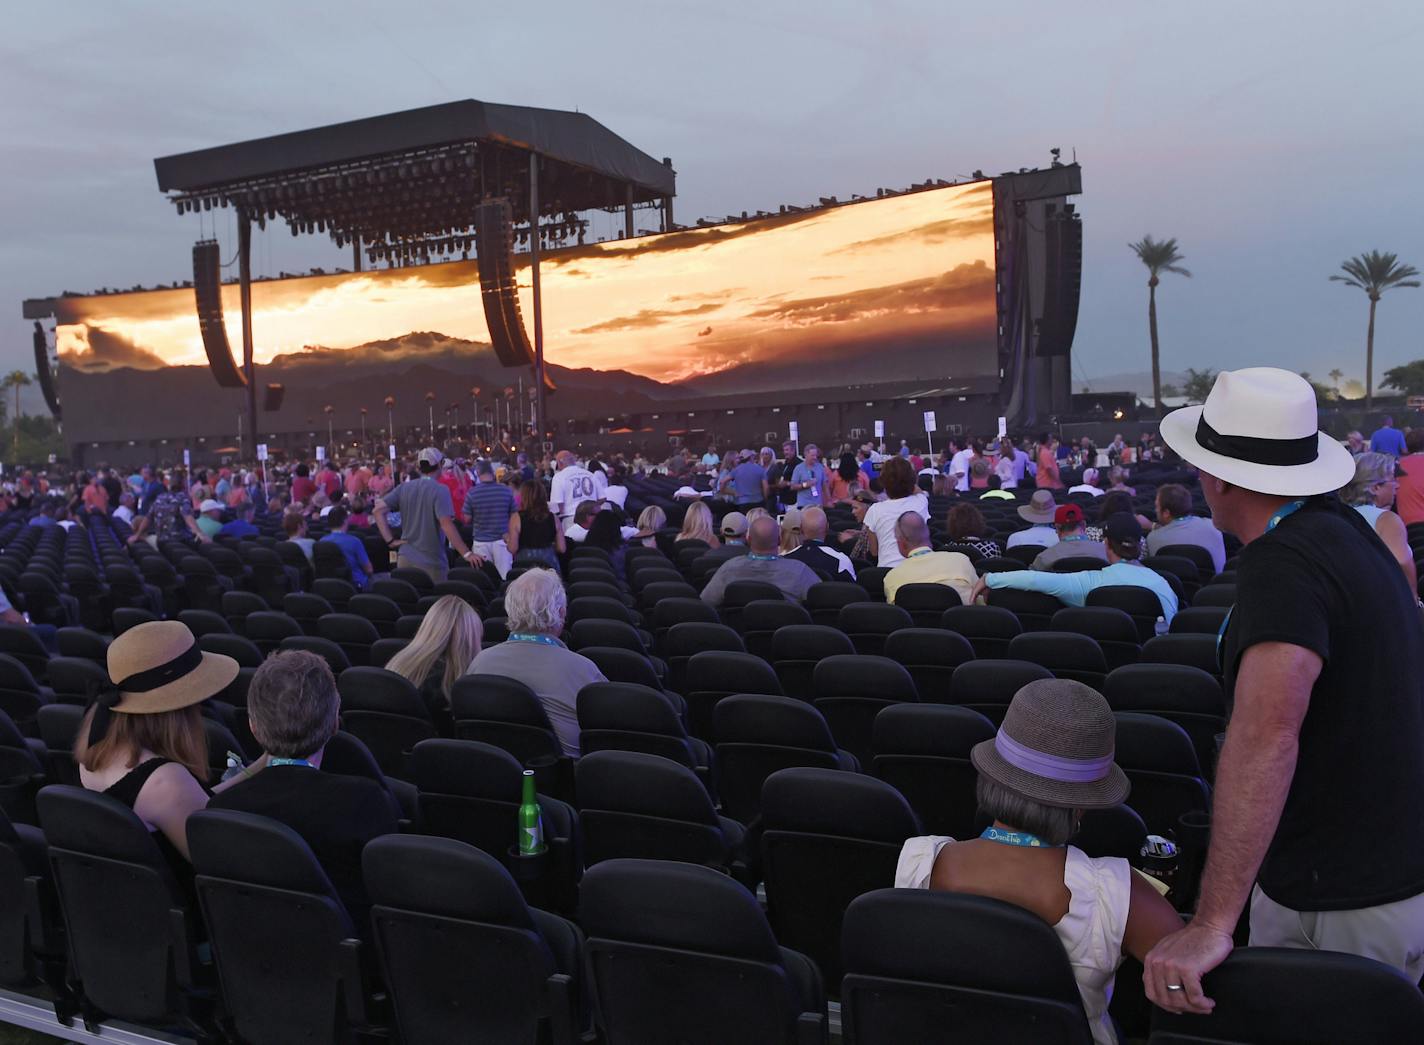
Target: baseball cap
[734, 524]
[1068, 515]
[1123, 528]
[210, 505]
[430, 456]
[747, 455]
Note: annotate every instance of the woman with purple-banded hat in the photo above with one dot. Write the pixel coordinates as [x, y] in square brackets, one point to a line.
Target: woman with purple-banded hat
[1050, 762]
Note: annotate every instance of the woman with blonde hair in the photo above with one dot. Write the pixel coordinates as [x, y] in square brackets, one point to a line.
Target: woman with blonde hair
[448, 639]
[790, 530]
[697, 525]
[1371, 493]
[650, 522]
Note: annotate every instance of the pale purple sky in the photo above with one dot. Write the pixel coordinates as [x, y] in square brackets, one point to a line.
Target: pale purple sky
[1273, 139]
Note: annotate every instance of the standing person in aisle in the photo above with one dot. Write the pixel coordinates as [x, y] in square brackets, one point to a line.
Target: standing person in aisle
[572, 485]
[427, 521]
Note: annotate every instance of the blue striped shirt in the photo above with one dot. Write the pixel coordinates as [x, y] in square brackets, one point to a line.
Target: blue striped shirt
[488, 506]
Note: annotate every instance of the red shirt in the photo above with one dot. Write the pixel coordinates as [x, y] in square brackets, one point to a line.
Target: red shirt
[302, 488]
[1409, 500]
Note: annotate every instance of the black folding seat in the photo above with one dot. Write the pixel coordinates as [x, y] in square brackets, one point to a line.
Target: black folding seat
[1112, 629]
[586, 554]
[1007, 977]
[44, 602]
[81, 642]
[159, 573]
[655, 592]
[1024, 554]
[205, 622]
[76, 680]
[1185, 695]
[31, 930]
[506, 714]
[606, 587]
[202, 584]
[348, 756]
[496, 630]
[126, 617]
[385, 712]
[462, 955]
[739, 593]
[850, 690]
[623, 665]
[1141, 604]
[926, 603]
[382, 650]
[671, 611]
[824, 600]
[1329, 996]
[1161, 763]
[598, 607]
[989, 629]
[270, 578]
[827, 838]
[127, 588]
[761, 735]
[762, 617]
[1115, 831]
[633, 804]
[84, 584]
[352, 632]
[20, 695]
[243, 650]
[867, 624]
[930, 655]
[1033, 608]
[417, 579]
[872, 579]
[131, 932]
[269, 628]
[687, 638]
[471, 791]
[1067, 654]
[680, 953]
[1198, 620]
[329, 651]
[1078, 564]
[1197, 651]
[293, 558]
[21, 642]
[1199, 557]
[335, 590]
[712, 675]
[796, 649]
[254, 871]
[987, 686]
[381, 612]
[922, 750]
[329, 562]
[306, 609]
[1216, 595]
[236, 605]
[58, 726]
[621, 716]
[596, 632]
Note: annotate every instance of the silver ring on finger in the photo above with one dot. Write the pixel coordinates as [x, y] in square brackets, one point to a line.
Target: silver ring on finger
[1174, 987]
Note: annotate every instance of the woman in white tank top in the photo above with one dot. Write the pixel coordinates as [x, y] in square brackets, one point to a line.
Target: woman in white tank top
[1371, 493]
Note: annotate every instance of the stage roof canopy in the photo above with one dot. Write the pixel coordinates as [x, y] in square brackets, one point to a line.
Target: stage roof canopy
[411, 180]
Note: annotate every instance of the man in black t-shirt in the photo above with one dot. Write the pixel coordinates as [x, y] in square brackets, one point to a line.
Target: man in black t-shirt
[1316, 812]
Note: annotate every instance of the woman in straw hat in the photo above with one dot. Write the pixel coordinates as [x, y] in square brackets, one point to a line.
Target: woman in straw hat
[1051, 760]
[142, 741]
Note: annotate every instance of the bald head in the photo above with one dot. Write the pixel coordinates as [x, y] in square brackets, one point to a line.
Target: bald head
[911, 532]
[564, 458]
[764, 536]
[813, 524]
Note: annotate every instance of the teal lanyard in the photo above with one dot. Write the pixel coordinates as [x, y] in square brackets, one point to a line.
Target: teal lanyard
[290, 762]
[761, 558]
[1274, 521]
[543, 640]
[1018, 838]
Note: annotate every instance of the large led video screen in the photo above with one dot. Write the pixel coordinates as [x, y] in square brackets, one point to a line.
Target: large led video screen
[880, 292]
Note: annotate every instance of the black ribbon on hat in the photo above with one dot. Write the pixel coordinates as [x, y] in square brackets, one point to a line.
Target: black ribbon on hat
[140, 682]
[1255, 450]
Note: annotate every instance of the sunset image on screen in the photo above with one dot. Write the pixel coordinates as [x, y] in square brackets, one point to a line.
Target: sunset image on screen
[881, 291]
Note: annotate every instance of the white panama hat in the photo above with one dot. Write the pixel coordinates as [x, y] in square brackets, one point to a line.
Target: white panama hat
[1259, 429]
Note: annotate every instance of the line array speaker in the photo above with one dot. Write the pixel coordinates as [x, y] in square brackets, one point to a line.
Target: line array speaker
[1063, 281]
[44, 373]
[207, 289]
[494, 243]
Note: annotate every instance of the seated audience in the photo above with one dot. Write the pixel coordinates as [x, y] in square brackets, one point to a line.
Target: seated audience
[1111, 504]
[210, 514]
[965, 525]
[650, 521]
[1123, 538]
[1371, 493]
[856, 542]
[606, 532]
[734, 538]
[448, 639]
[761, 563]
[1177, 525]
[583, 519]
[1117, 482]
[1040, 510]
[352, 547]
[791, 530]
[294, 525]
[1089, 485]
[1051, 762]
[293, 706]
[697, 525]
[1073, 540]
[921, 564]
[816, 553]
[142, 742]
[241, 526]
[898, 479]
[534, 609]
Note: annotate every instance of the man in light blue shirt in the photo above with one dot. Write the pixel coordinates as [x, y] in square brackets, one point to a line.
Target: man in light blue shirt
[809, 479]
[1123, 538]
[1388, 439]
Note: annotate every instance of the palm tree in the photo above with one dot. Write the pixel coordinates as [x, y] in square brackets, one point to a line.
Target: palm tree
[1159, 256]
[17, 379]
[1374, 273]
[1335, 376]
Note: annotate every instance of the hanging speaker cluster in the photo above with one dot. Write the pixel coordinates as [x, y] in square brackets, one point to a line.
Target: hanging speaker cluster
[1063, 279]
[494, 241]
[207, 289]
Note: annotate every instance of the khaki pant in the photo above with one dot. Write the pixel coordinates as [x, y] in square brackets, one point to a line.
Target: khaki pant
[435, 573]
[1392, 933]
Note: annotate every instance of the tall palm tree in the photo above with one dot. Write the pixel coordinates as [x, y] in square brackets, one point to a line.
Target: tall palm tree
[1374, 273]
[1159, 256]
[17, 379]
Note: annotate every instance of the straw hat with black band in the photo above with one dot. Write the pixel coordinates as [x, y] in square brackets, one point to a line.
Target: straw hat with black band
[157, 667]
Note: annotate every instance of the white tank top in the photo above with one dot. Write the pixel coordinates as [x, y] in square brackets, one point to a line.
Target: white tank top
[1371, 513]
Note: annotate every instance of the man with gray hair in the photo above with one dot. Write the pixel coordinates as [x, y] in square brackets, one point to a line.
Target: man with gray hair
[534, 608]
[761, 563]
[923, 565]
[572, 485]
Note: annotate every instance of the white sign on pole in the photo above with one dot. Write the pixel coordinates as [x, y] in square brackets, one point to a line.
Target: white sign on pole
[796, 435]
[321, 453]
[393, 451]
[1003, 427]
[262, 451]
[879, 429]
[929, 420]
[187, 459]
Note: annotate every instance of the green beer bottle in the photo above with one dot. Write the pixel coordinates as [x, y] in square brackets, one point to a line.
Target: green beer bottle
[531, 820]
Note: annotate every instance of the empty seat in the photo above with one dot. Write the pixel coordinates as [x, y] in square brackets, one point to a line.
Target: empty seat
[1034, 609]
[926, 603]
[828, 837]
[243, 650]
[867, 624]
[739, 593]
[1112, 629]
[824, 600]
[1199, 556]
[329, 651]
[930, 655]
[402, 592]
[851, 690]
[386, 713]
[683, 953]
[1161, 763]
[268, 628]
[623, 665]
[762, 618]
[236, 605]
[334, 590]
[1198, 620]
[76, 680]
[620, 716]
[1197, 651]
[1067, 654]
[20, 695]
[1185, 695]
[796, 649]
[21, 642]
[922, 750]
[989, 629]
[306, 609]
[712, 675]
[759, 735]
[354, 634]
[987, 686]
[1006, 978]
[669, 612]
[1141, 604]
[126, 617]
[597, 632]
[1216, 595]
[382, 650]
[507, 714]
[81, 642]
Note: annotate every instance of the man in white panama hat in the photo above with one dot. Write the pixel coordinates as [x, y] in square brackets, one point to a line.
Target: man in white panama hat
[1316, 814]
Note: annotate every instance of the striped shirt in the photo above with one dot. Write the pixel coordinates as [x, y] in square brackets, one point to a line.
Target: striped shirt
[488, 506]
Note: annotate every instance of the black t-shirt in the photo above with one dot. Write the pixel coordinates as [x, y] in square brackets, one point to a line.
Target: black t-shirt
[536, 533]
[1351, 834]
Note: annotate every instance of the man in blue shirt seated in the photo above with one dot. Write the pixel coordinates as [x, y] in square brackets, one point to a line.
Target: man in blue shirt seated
[241, 526]
[1388, 439]
[351, 547]
[1122, 537]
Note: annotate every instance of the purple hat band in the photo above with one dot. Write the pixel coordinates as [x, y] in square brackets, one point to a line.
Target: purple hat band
[1052, 767]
